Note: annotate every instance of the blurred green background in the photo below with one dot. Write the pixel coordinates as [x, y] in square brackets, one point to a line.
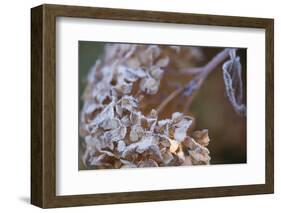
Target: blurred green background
[89, 52]
[210, 107]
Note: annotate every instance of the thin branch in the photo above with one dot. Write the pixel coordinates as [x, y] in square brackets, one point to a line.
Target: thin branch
[195, 84]
[211, 65]
[173, 95]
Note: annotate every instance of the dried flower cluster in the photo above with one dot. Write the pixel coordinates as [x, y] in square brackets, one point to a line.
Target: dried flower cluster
[116, 132]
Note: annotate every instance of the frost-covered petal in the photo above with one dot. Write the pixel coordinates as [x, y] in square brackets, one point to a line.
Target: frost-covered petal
[181, 129]
[174, 145]
[129, 103]
[163, 62]
[126, 121]
[177, 116]
[106, 114]
[118, 109]
[135, 118]
[157, 73]
[200, 155]
[121, 146]
[167, 157]
[147, 143]
[111, 124]
[108, 153]
[201, 137]
[91, 107]
[149, 85]
[97, 161]
[136, 133]
[130, 74]
[127, 164]
[162, 123]
[116, 134]
[148, 163]
[123, 87]
[176, 48]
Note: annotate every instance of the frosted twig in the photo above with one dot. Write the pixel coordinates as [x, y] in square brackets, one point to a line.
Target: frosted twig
[194, 84]
[173, 95]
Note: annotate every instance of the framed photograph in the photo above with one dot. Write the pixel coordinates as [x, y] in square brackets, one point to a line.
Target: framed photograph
[135, 106]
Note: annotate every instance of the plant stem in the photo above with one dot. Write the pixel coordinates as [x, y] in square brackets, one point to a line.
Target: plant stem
[201, 74]
[167, 100]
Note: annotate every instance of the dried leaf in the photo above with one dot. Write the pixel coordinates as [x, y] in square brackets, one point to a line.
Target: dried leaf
[233, 82]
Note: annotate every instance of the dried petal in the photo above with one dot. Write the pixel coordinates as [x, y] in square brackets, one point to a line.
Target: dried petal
[111, 124]
[163, 62]
[176, 48]
[177, 116]
[126, 121]
[135, 118]
[149, 85]
[106, 114]
[181, 129]
[136, 133]
[97, 161]
[127, 164]
[174, 145]
[180, 125]
[147, 143]
[121, 146]
[123, 87]
[167, 158]
[156, 73]
[116, 134]
[201, 137]
[200, 155]
[129, 103]
[148, 163]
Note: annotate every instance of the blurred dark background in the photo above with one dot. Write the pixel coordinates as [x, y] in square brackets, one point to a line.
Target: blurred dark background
[210, 107]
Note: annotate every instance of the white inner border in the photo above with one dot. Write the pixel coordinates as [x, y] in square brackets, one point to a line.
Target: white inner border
[70, 181]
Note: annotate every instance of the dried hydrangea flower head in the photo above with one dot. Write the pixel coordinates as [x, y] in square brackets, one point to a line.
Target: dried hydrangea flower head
[119, 121]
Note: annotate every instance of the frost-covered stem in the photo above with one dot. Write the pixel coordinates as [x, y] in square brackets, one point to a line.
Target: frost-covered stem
[211, 65]
[197, 81]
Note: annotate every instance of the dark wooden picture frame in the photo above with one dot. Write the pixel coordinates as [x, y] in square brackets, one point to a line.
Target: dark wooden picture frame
[43, 105]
